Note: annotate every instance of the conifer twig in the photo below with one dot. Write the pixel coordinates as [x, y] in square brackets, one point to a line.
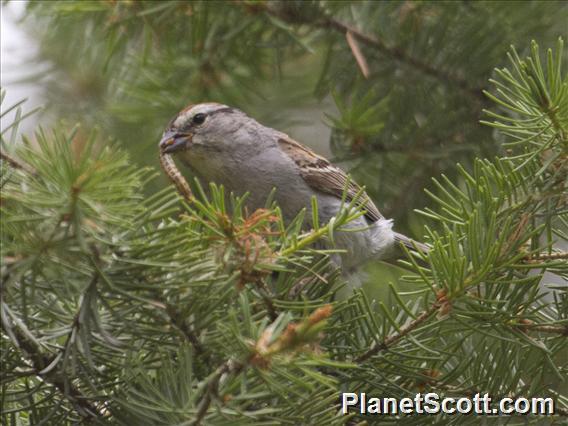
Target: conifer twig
[270, 309]
[552, 329]
[185, 329]
[212, 387]
[295, 336]
[16, 164]
[41, 361]
[400, 55]
[558, 255]
[393, 338]
[376, 43]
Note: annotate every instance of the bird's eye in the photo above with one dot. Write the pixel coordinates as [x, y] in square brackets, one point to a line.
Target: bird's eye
[198, 119]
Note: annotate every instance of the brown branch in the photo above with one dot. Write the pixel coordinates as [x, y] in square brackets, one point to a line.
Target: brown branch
[296, 336]
[270, 309]
[212, 387]
[527, 325]
[189, 333]
[16, 164]
[563, 330]
[265, 295]
[376, 43]
[56, 374]
[400, 55]
[539, 258]
[423, 317]
[393, 338]
[185, 329]
[41, 361]
[76, 318]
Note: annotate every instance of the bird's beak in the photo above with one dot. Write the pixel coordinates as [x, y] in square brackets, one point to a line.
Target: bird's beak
[174, 142]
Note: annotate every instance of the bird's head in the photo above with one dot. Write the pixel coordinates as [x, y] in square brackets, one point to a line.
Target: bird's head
[202, 125]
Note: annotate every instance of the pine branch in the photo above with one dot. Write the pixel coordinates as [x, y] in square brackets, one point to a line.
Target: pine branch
[42, 364]
[16, 164]
[186, 329]
[561, 131]
[179, 181]
[270, 308]
[394, 338]
[397, 53]
[400, 55]
[552, 329]
[77, 317]
[231, 367]
[479, 259]
[542, 257]
[294, 337]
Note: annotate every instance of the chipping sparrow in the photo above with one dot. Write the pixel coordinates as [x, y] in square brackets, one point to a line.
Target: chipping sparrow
[223, 145]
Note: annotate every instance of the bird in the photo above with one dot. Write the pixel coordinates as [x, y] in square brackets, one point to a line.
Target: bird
[224, 145]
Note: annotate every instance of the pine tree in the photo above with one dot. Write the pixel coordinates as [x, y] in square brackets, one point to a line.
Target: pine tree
[123, 303]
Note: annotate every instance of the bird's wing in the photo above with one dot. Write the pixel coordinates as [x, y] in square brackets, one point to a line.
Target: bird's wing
[323, 176]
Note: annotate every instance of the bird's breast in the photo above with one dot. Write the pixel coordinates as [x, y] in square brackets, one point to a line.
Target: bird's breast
[256, 174]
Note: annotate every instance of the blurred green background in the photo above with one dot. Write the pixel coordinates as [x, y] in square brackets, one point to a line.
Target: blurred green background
[407, 110]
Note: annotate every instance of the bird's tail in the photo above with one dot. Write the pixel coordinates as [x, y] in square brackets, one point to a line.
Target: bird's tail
[410, 243]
